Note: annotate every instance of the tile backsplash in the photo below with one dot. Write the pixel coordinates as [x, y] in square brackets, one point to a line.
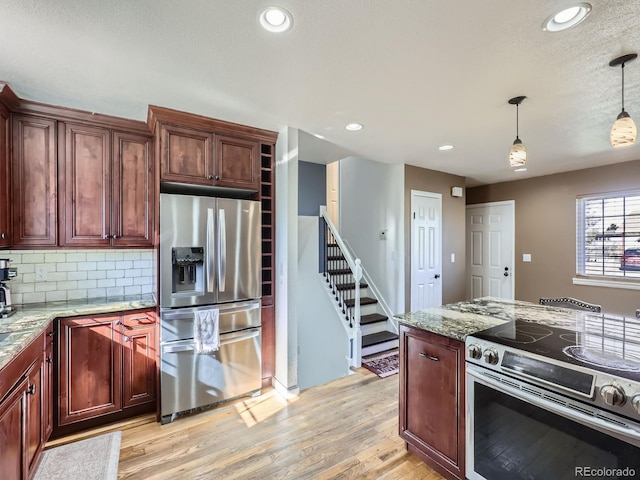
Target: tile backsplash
[50, 275]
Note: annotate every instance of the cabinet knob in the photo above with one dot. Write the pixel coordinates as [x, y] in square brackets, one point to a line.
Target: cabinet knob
[217, 177]
[211, 177]
[106, 236]
[32, 389]
[3, 235]
[126, 339]
[49, 360]
[114, 236]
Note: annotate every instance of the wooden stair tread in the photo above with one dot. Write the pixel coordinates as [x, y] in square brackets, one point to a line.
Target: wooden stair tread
[378, 337]
[350, 286]
[372, 318]
[339, 271]
[350, 302]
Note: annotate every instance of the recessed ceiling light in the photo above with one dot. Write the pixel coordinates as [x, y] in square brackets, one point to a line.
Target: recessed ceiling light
[521, 169]
[567, 17]
[445, 147]
[354, 127]
[276, 19]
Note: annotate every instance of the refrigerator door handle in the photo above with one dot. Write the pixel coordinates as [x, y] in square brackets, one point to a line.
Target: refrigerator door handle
[222, 254]
[210, 251]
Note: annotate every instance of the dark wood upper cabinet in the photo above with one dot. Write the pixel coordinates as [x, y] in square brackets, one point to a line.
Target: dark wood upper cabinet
[186, 155]
[205, 151]
[87, 190]
[5, 183]
[34, 182]
[109, 188]
[133, 193]
[237, 163]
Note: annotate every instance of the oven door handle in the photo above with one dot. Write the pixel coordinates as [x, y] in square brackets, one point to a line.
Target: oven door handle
[587, 420]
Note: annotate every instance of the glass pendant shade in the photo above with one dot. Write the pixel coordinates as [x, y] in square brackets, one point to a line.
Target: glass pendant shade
[624, 131]
[518, 154]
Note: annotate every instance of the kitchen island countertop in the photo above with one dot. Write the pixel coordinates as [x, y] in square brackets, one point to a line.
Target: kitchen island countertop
[30, 320]
[458, 320]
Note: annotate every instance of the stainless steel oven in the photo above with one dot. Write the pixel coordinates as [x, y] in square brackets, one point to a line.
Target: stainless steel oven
[532, 414]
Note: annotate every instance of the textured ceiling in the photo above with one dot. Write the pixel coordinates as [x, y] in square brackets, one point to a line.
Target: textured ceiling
[416, 73]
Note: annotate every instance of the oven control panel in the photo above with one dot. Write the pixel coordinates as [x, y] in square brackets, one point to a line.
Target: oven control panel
[589, 385]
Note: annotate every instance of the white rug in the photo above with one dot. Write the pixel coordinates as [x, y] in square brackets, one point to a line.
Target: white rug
[94, 458]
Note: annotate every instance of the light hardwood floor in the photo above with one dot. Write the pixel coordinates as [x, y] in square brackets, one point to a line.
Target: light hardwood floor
[346, 429]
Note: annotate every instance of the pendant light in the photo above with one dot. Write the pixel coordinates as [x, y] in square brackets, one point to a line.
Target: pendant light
[624, 131]
[518, 153]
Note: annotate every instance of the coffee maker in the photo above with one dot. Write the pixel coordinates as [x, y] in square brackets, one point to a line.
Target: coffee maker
[6, 306]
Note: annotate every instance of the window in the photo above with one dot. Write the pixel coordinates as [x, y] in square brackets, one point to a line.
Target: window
[608, 235]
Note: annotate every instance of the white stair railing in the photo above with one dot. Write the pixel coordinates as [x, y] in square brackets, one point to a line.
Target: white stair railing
[341, 268]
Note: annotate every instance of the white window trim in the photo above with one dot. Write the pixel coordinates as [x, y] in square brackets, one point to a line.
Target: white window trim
[598, 282]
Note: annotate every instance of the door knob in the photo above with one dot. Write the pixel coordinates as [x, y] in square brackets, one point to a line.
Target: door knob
[437, 275]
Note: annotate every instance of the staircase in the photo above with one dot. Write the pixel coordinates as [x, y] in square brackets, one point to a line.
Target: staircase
[366, 316]
[375, 336]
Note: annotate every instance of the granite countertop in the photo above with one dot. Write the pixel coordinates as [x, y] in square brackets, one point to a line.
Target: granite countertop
[31, 320]
[458, 320]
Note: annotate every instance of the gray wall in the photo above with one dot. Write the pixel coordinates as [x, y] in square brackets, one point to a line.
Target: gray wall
[312, 188]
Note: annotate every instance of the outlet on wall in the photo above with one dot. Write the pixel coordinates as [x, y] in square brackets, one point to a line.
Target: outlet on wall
[41, 273]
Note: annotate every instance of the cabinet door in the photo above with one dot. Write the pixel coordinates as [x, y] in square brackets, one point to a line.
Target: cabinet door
[34, 416]
[432, 397]
[34, 182]
[87, 175]
[133, 191]
[5, 184]
[12, 434]
[186, 155]
[90, 368]
[139, 358]
[47, 387]
[237, 163]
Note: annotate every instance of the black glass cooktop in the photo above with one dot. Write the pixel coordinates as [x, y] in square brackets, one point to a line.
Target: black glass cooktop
[607, 345]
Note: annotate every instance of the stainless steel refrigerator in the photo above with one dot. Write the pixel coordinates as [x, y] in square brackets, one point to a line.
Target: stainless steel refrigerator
[210, 259]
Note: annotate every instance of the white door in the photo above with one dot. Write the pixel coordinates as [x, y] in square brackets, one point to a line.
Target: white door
[490, 249]
[333, 184]
[426, 250]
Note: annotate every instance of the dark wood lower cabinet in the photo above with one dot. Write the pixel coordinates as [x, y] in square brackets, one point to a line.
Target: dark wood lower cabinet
[34, 418]
[107, 369]
[90, 368]
[268, 345]
[432, 399]
[24, 401]
[12, 434]
[139, 363]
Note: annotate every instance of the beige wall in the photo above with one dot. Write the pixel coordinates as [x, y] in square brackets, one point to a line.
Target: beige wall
[453, 225]
[545, 227]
